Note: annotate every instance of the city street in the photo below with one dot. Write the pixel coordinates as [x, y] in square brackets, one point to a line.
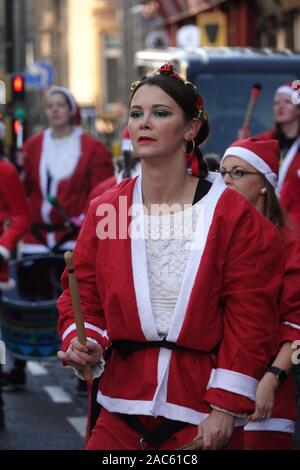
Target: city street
[46, 415]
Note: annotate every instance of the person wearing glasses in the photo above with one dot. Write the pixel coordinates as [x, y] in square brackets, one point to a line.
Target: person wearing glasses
[250, 167]
[166, 264]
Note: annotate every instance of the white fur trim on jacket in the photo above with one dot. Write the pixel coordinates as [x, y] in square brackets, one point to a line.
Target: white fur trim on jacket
[272, 424]
[4, 252]
[33, 249]
[293, 325]
[87, 326]
[97, 369]
[232, 381]
[168, 410]
[285, 165]
[10, 284]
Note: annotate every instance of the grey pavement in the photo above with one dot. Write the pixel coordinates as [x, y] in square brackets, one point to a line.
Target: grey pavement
[46, 415]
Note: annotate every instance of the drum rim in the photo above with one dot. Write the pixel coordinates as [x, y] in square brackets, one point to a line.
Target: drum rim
[6, 299]
[36, 256]
[30, 304]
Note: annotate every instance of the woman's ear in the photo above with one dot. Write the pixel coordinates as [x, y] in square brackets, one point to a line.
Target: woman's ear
[192, 129]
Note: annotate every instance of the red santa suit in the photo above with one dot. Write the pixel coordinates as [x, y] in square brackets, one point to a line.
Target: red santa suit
[64, 170]
[14, 217]
[110, 182]
[276, 432]
[289, 171]
[289, 178]
[230, 262]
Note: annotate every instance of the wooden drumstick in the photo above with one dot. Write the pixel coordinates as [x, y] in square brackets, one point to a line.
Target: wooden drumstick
[86, 370]
[256, 89]
[195, 445]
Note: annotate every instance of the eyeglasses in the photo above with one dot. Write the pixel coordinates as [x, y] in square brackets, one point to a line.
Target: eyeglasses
[237, 174]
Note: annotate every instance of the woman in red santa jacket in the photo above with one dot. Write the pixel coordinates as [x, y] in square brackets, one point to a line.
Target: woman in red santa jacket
[62, 165]
[166, 264]
[14, 223]
[287, 133]
[251, 167]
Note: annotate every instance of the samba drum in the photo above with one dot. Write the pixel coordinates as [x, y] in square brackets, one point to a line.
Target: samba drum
[29, 315]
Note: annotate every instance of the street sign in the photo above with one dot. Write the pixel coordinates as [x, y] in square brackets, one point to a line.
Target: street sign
[39, 76]
[213, 26]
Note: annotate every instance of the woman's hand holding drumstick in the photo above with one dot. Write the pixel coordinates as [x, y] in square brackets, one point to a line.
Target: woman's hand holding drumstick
[213, 433]
[82, 353]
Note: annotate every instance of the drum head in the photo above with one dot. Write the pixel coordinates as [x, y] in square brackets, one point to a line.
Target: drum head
[37, 278]
[29, 317]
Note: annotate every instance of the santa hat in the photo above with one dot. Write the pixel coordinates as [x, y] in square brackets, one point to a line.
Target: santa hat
[66, 92]
[126, 141]
[263, 155]
[75, 110]
[286, 88]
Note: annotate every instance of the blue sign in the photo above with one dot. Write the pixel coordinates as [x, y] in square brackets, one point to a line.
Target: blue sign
[39, 76]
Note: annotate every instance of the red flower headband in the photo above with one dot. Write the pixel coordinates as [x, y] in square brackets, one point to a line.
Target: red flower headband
[168, 70]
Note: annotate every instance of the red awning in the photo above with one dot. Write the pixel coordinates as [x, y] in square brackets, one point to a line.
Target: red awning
[176, 10]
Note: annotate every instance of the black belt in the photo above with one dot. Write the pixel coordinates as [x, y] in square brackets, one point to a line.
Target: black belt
[127, 347]
[157, 436]
[70, 230]
[49, 227]
[167, 427]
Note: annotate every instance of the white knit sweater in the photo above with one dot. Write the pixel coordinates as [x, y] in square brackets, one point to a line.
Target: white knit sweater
[168, 239]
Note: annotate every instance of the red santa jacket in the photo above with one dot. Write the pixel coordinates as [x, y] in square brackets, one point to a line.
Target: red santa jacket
[290, 188]
[110, 182]
[228, 299]
[14, 216]
[285, 410]
[101, 188]
[94, 166]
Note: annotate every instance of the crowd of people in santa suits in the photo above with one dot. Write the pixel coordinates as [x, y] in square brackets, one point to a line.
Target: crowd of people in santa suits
[64, 169]
[46, 202]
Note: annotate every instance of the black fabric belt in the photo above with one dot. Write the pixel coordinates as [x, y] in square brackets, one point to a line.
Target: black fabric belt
[157, 436]
[127, 347]
[70, 231]
[49, 227]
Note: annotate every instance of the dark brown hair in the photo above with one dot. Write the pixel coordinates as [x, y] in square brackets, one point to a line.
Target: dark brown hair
[186, 96]
[273, 210]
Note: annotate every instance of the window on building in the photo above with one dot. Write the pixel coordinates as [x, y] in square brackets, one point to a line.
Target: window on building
[111, 56]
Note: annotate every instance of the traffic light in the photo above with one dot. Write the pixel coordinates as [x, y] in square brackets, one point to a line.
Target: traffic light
[18, 88]
[18, 132]
[17, 126]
